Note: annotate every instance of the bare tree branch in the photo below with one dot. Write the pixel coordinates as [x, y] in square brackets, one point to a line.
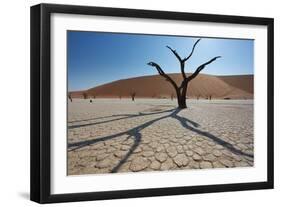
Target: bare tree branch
[185, 59]
[201, 67]
[180, 60]
[162, 73]
[175, 53]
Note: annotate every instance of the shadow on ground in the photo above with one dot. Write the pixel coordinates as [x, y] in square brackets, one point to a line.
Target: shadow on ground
[135, 133]
[24, 195]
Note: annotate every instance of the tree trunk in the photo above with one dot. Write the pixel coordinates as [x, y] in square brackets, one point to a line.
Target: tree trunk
[181, 99]
[181, 95]
[182, 102]
[133, 95]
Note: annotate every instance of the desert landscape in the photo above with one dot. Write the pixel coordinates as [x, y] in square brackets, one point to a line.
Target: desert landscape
[108, 132]
[147, 106]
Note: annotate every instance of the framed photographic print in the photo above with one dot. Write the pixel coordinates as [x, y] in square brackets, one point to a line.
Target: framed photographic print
[132, 103]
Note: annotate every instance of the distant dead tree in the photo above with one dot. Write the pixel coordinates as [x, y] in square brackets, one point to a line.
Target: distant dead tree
[85, 95]
[91, 97]
[181, 90]
[69, 96]
[210, 97]
[133, 95]
[120, 96]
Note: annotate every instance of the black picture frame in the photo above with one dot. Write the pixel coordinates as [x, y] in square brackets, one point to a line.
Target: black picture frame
[41, 98]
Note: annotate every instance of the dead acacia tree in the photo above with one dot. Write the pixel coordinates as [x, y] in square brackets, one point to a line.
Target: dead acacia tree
[69, 96]
[133, 95]
[182, 89]
[85, 95]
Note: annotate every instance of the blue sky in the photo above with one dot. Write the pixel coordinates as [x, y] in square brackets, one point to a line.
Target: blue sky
[95, 58]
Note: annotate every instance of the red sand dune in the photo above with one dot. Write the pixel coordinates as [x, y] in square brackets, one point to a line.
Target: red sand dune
[203, 86]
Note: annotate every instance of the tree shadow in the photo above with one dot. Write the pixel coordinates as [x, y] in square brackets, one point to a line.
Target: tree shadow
[91, 119]
[183, 121]
[137, 139]
[130, 132]
[135, 134]
[123, 116]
